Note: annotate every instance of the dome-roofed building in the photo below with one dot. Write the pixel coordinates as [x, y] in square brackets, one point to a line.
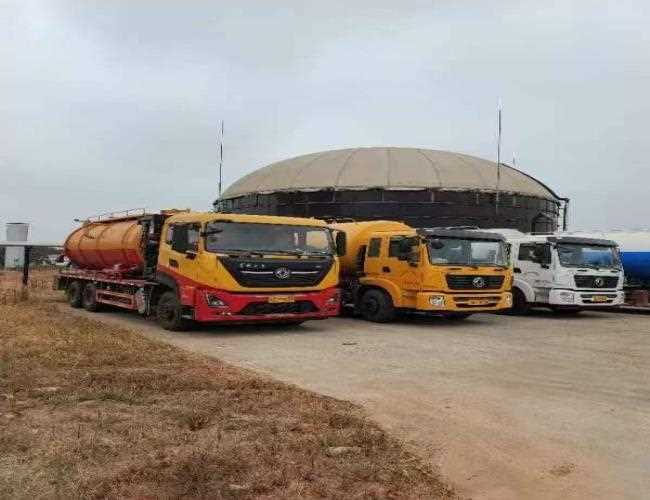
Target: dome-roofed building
[421, 187]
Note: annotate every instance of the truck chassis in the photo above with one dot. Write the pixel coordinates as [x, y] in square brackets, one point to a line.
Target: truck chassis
[93, 289]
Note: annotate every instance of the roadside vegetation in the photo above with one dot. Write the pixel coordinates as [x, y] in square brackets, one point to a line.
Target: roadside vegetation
[95, 411]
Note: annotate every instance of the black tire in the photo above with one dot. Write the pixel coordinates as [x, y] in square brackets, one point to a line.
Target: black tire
[520, 305]
[169, 313]
[73, 294]
[454, 316]
[377, 306]
[89, 298]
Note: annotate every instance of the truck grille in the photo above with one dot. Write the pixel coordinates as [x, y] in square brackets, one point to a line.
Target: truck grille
[277, 273]
[596, 281]
[261, 308]
[473, 282]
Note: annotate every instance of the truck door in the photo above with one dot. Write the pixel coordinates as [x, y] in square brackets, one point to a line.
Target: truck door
[398, 267]
[182, 241]
[373, 261]
[534, 267]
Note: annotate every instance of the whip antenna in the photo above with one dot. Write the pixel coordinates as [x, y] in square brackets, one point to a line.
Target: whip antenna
[496, 205]
[220, 159]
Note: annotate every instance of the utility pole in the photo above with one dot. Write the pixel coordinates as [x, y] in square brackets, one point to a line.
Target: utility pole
[496, 205]
[220, 159]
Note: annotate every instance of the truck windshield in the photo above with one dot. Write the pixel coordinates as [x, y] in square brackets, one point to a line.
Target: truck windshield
[572, 255]
[267, 238]
[467, 252]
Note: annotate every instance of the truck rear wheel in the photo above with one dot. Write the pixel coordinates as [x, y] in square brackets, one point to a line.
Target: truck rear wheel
[376, 305]
[89, 298]
[73, 294]
[169, 312]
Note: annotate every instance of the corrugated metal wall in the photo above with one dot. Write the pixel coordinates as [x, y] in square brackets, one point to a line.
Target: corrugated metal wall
[418, 208]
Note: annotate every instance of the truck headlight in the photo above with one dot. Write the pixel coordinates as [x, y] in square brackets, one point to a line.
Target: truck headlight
[334, 299]
[567, 297]
[437, 300]
[508, 300]
[214, 301]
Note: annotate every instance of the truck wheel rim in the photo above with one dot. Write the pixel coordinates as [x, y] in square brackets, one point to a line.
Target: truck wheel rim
[370, 306]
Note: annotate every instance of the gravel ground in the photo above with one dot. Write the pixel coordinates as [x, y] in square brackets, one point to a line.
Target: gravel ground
[505, 407]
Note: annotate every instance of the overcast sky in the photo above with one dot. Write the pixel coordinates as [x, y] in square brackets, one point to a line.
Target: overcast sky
[109, 105]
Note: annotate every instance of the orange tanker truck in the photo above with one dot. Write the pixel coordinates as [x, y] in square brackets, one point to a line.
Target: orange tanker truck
[183, 266]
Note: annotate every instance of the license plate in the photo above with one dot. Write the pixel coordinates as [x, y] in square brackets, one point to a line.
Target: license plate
[478, 302]
[280, 299]
[599, 298]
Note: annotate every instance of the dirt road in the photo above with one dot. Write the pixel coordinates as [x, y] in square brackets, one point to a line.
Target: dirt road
[506, 407]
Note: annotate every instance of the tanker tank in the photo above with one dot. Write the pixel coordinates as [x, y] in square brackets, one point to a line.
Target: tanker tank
[110, 244]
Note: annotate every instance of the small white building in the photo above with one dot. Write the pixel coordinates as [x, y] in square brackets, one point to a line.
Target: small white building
[15, 255]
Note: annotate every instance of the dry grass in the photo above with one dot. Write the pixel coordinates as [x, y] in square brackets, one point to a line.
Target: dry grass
[94, 411]
[12, 290]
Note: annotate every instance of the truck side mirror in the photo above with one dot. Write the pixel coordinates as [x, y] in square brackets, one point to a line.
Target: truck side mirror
[341, 243]
[414, 257]
[542, 254]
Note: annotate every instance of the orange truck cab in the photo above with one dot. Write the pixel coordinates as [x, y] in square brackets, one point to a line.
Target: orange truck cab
[389, 267]
[186, 266]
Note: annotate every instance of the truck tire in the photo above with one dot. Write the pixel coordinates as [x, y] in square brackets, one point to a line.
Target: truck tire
[454, 316]
[520, 305]
[89, 298]
[169, 313]
[377, 306]
[73, 294]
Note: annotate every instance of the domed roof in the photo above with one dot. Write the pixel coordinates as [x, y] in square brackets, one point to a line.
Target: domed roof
[386, 168]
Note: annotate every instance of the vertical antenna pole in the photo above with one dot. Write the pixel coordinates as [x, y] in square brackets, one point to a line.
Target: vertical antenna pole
[496, 206]
[220, 159]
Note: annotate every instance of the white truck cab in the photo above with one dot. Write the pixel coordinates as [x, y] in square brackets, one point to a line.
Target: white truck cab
[563, 272]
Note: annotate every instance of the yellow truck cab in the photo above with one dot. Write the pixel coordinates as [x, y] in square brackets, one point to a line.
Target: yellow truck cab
[389, 267]
[235, 267]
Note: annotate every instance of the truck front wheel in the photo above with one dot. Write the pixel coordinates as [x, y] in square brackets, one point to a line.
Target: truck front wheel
[519, 303]
[376, 305]
[73, 294]
[169, 312]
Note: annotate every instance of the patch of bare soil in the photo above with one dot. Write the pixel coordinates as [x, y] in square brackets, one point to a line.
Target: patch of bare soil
[93, 410]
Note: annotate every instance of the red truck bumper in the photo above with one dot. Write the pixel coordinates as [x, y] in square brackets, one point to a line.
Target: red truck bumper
[220, 306]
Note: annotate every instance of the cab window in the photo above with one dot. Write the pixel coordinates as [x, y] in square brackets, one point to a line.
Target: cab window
[374, 247]
[527, 252]
[394, 246]
[183, 237]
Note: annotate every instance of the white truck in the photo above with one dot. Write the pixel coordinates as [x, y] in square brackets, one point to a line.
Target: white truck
[564, 272]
